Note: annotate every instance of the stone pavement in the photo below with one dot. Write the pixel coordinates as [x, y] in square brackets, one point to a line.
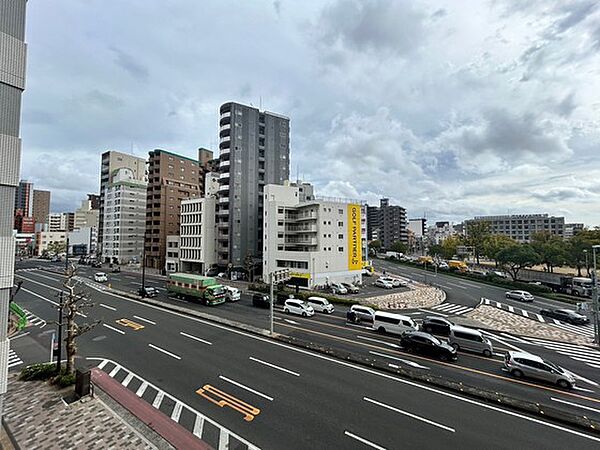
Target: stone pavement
[39, 419]
[418, 296]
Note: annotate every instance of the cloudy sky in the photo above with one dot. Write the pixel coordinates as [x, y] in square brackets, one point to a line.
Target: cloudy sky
[452, 109]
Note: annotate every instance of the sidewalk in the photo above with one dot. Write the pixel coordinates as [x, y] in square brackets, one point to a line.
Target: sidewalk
[38, 418]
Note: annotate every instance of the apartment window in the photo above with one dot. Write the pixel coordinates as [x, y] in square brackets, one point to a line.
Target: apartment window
[340, 236]
[340, 211]
[280, 223]
[279, 247]
[279, 210]
[324, 222]
[280, 235]
[340, 224]
[340, 249]
[325, 235]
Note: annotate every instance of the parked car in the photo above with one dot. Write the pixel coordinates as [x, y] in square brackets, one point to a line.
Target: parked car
[565, 315]
[282, 297]
[383, 283]
[386, 322]
[436, 325]
[320, 304]
[147, 291]
[261, 300]
[100, 277]
[338, 288]
[116, 269]
[232, 294]
[396, 282]
[498, 274]
[426, 344]
[97, 265]
[351, 288]
[295, 306]
[212, 272]
[367, 273]
[521, 364]
[522, 296]
[363, 313]
[462, 338]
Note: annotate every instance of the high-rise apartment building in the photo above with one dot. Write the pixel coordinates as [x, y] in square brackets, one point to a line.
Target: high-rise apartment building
[520, 227]
[124, 218]
[171, 179]
[41, 205]
[60, 222]
[24, 198]
[254, 151]
[110, 163]
[387, 223]
[12, 83]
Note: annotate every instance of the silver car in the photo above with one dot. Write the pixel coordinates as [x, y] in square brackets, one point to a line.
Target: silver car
[522, 296]
[521, 364]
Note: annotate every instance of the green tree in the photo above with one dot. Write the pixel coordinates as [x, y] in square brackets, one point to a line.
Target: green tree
[399, 247]
[449, 247]
[578, 251]
[494, 243]
[551, 248]
[57, 247]
[374, 246]
[435, 249]
[516, 257]
[476, 233]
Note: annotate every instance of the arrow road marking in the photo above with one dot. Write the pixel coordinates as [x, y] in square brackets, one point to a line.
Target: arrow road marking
[405, 361]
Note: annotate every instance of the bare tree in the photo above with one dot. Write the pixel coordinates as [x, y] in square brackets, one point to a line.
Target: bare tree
[73, 303]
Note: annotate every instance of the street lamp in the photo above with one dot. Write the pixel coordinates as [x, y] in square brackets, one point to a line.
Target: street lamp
[595, 296]
[587, 265]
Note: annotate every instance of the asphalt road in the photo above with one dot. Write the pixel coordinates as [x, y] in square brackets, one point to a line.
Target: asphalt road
[315, 402]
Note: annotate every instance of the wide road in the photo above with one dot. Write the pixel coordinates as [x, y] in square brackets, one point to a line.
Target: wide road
[299, 399]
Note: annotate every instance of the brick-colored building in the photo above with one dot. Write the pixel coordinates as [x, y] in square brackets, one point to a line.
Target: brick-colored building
[41, 205]
[171, 178]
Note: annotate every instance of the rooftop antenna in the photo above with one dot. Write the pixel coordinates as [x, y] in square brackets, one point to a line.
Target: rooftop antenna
[297, 174]
[260, 102]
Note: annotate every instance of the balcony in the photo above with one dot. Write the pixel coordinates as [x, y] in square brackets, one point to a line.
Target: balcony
[225, 152]
[223, 188]
[224, 139]
[223, 200]
[301, 241]
[304, 229]
[224, 164]
[225, 115]
[223, 212]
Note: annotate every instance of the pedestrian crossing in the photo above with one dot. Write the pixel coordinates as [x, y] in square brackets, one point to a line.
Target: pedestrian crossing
[13, 359]
[215, 435]
[28, 269]
[452, 308]
[34, 320]
[581, 353]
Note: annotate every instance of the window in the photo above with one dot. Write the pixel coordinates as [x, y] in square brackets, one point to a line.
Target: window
[340, 249]
[280, 235]
[340, 236]
[279, 210]
[340, 211]
[340, 224]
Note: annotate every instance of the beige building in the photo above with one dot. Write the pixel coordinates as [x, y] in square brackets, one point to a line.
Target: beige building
[44, 238]
[85, 216]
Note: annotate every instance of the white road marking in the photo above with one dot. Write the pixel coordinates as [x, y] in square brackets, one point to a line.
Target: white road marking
[39, 296]
[389, 344]
[127, 379]
[107, 307]
[575, 404]
[223, 441]
[195, 338]
[102, 364]
[502, 341]
[260, 394]
[176, 412]
[112, 328]
[141, 389]
[405, 361]
[579, 377]
[577, 388]
[291, 321]
[114, 371]
[274, 366]
[511, 309]
[198, 426]
[144, 320]
[172, 355]
[364, 441]
[158, 399]
[456, 285]
[19, 336]
[433, 312]
[406, 413]
[510, 337]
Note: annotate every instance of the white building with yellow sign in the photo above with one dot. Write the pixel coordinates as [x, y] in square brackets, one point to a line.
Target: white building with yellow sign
[321, 240]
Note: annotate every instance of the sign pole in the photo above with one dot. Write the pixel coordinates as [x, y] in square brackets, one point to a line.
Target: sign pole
[271, 303]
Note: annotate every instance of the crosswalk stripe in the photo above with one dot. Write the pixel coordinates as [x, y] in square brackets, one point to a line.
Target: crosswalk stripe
[452, 308]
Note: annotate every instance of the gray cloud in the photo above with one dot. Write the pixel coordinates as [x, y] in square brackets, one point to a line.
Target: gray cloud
[130, 64]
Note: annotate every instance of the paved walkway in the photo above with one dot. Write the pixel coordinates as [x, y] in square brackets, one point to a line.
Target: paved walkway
[39, 419]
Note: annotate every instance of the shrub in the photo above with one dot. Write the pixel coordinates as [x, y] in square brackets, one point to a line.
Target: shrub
[43, 371]
[63, 380]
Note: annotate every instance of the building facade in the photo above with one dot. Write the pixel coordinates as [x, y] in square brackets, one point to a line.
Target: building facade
[172, 254]
[60, 222]
[171, 179]
[571, 229]
[86, 216]
[254, 151]
[44, 239]
[41, 205]
[124, 218]
[320, 240]
[198, 232]
[387, 223]
[24, 198]
[520, 227]
[83, 241]
[111, 161]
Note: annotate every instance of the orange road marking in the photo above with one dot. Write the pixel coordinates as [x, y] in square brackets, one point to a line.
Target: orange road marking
[130, 323]
[248, 411]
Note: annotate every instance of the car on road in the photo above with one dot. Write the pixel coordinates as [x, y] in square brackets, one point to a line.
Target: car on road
[426, 344]
[522, 296]
[147, 291]
[100, 277]
[351, 288]
[97, 265]
[338, 288]
[363, 313]
[116, 269]
[383, 284]
[261, 300]
[367, 273]
[436, 325]
[463, 338]
[386, 322]
[232, 294]
[396, 282]
[521, 364]
[320, 304]
[565, 315]
[299, 307]
[443, 265]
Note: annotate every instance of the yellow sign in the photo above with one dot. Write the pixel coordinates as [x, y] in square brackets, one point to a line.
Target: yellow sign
[130, 323]
[224, 399]
[354, 238]
[300, 275]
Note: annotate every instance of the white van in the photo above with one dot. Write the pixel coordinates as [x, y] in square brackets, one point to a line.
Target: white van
[386, 322]
[320, 304]
[462, 338]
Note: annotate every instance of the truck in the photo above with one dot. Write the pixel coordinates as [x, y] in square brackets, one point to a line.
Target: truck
[566, 284]
[196, 287]
[393, 255]
[459, 265]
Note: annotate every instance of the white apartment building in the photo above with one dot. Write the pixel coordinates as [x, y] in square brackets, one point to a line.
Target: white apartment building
[172, 254]
[198, 233]
[124, 218]
[321, 240]
[83, 241]
[60, 222]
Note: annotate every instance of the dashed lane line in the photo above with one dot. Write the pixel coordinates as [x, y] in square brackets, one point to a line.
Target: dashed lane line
[162, 350]
[249, 389]
[283, 369]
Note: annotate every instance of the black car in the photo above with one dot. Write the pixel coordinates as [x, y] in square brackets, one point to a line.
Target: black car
[436, 325]
[97, 265]
[148, 291]
[281, 298]
[426, 344]
[565, 315]
[261, 300]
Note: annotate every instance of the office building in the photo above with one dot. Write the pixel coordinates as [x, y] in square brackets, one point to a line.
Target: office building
[520, 227]
[94, 200]
[418, 227]
[171, 179]
[45, 240]
[386, 223]
[124, 217]
[23, 224]
[41, 205]
[439, 232]
[172, 254]
[198, 232]
[319, 239]
[83, 241]
[254, 151]
[207, 164]
[112, 161]
[86, 216]
[24, 198]
[60, 222]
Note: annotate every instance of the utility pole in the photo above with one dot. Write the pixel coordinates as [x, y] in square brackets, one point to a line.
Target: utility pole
[60, 324]
[67, 256]
[595, 297]
[144, 266]
[271, 301]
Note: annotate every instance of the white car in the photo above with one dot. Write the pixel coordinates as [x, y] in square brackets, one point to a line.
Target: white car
[396, 282]
[443, 265]
[320, 304]
[100, 277]
[338, 288]
[383, 283]
[522, 296]
[232, 294]
[294, 306]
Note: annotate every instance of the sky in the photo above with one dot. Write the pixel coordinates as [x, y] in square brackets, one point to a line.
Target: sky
[450, 108]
